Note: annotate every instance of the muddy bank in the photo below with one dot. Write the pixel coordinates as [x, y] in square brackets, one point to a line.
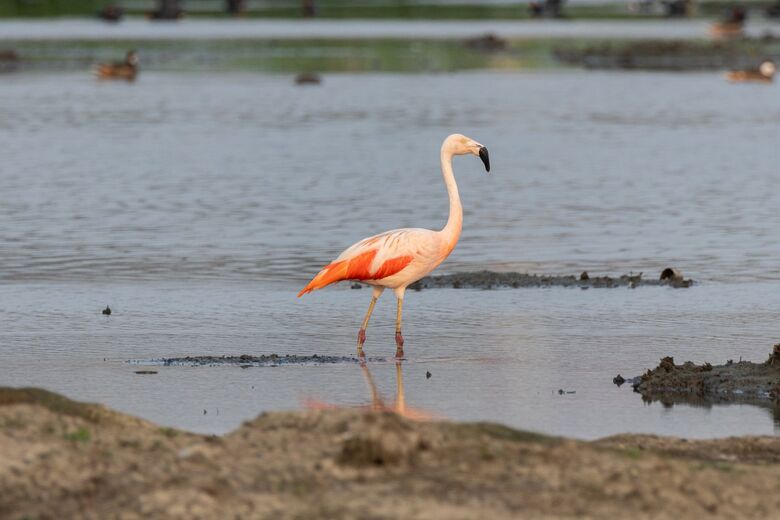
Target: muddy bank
[492, 279]
[734, 381]
[245, 361]
[63, 459]
[671, 55]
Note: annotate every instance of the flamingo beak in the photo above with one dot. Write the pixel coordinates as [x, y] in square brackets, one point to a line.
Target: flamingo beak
[483, 154]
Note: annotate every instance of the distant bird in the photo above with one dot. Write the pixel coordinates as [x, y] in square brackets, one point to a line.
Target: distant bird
[308, 78]
[9, 60]
[111, 13]
[764, 74]
[397, 258]
[732, 26]
[107, 311]
[127, 69]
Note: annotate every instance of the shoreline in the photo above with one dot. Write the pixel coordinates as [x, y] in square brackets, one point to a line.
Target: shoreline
[62, 457]
[78, 29]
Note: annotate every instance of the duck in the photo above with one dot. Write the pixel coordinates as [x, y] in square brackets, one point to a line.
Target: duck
[764, 74]
[308, 78]
[732, 26]
[111, 13]
[127, 69]
[9, 60]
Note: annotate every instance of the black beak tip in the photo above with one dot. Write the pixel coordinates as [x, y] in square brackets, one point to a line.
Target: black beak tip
[483, 154]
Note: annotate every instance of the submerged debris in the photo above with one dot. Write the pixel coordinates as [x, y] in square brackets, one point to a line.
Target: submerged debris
[492, 279]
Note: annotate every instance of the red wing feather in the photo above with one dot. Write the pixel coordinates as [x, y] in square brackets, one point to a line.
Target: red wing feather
[355, 268]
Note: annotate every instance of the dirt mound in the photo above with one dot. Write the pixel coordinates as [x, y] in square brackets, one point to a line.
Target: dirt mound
[62, 459]
[732, 381]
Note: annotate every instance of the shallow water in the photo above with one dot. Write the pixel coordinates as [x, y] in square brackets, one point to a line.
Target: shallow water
[197, 205]
[205, 29]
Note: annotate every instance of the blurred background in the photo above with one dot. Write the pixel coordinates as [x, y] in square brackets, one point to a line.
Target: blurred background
[191, 164]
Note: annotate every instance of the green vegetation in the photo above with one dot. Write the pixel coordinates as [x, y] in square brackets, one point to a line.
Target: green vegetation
[32, 8]
[499, 431]
[169, 432]
[288, 56]
[54, 402]
[80, 435]
[346, 9]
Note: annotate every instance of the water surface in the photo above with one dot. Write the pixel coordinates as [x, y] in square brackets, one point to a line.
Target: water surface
[197, 205]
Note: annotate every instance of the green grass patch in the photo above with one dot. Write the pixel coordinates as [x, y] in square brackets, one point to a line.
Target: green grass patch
[80, 435]
[54, 402]
[505, 433]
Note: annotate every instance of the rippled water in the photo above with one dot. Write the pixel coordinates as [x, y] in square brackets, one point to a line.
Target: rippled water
[197, 205]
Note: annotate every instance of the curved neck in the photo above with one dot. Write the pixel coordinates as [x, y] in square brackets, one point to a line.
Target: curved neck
[451, 231]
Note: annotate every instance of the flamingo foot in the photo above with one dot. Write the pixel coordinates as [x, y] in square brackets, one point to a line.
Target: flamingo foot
[399, 343]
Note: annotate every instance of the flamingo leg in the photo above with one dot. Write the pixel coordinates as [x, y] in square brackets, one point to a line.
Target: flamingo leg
[362, 332]
[399, 338]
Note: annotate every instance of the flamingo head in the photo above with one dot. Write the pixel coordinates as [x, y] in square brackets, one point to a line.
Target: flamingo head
[767, 69]
[458, 144]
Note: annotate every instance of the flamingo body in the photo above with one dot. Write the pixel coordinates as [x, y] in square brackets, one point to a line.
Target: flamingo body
[391, 259]
[395, 259]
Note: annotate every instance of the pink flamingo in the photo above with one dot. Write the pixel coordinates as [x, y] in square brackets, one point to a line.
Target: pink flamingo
[395, 259]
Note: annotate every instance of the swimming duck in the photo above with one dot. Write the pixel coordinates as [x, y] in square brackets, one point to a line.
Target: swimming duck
[732, 26]
[127, 69]
[9, 60]
[764, 74]
[308, 78]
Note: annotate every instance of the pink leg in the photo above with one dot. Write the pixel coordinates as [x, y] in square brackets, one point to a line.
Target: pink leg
[399, 338]
[399, 344]
[362, 332]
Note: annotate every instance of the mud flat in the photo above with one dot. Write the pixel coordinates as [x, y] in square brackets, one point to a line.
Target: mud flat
[734, 381]
[246, 361]
[676, 55]
[492, 279]
[64, 459]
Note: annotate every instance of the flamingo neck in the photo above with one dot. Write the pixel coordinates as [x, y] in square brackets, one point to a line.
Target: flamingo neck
[451, 231]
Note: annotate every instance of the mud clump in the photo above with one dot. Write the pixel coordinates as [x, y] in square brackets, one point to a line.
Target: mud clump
[247, 361]
[493, 279]
[732, 381]
[774, 357]
[384, 439]
[56, 462]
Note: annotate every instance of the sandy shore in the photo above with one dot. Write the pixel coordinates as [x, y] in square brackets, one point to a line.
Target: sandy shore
[64, 459]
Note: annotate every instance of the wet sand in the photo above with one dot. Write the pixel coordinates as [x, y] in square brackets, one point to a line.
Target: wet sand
[60, 458]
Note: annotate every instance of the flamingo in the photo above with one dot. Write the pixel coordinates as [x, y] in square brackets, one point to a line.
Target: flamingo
[395, 259]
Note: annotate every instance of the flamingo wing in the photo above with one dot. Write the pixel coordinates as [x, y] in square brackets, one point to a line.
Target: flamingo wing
[372, 258]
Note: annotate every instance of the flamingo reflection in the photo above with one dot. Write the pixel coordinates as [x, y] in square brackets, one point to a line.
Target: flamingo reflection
[378, 403]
